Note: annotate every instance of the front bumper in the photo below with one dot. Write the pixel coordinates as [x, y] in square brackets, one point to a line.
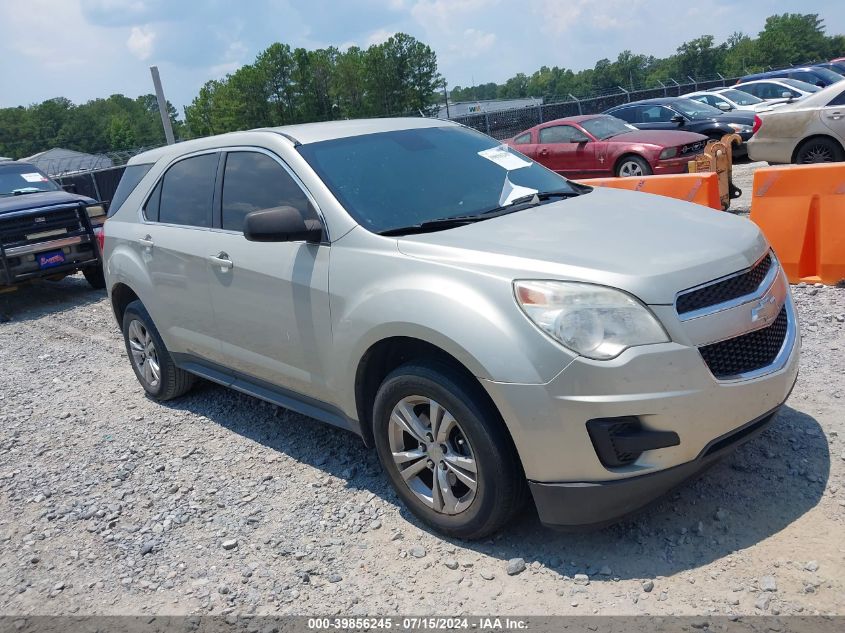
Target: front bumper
[594, 504]
[667, 387]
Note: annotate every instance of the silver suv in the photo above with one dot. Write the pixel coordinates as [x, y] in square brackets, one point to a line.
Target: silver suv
[491, 328]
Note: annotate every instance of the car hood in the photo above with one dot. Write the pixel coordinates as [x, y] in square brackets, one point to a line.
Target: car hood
[648, 245]
[736, 116]
[33, 201]
[664, 138]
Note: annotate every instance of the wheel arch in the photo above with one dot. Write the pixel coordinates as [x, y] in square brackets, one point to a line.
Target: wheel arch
[629, 154]
[812, 137]
[121, 296]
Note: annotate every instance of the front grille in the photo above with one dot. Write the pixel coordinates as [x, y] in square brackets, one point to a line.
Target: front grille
[13, 230]
[748, 352]
[722, 291]
[693, 148]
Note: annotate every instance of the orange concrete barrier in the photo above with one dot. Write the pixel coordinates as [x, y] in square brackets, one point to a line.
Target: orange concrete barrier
[701, 188]
[801, 210]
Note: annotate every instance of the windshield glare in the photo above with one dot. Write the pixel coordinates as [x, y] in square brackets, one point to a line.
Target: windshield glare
[740, 98]
[695, 110]
[22, 178]
[603, 127]
[393, 180]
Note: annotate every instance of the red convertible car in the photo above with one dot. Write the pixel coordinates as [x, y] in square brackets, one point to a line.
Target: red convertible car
[598, 145]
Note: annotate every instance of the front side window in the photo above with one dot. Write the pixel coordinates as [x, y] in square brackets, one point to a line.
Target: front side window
[559, 134]
[392, 180]
[253, 181]
[838, 100]
[801, 85]
[695, 110]
[657, 114]
[630, 115]
[742, 98]
[187, 192]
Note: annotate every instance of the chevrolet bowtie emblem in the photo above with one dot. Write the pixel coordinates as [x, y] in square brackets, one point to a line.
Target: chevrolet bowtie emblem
[765, 310]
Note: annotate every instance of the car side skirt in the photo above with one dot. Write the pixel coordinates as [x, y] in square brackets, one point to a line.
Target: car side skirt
[265, 391]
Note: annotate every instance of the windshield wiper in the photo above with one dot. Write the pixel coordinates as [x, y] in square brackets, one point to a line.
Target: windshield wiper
[518, 204]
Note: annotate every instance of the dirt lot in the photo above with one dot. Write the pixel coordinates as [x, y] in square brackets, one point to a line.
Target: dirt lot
[218, 503]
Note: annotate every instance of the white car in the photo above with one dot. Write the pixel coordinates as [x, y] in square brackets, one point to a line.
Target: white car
[778, 89]
[728, 99]
[811, 130]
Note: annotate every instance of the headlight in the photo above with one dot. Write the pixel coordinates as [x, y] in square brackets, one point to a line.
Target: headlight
[669, 152]
[594, 321]
[96, 210]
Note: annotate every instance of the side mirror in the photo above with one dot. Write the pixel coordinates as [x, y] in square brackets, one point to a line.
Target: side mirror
[786, 94]
[678, 119]
[580, 139]
[724, 107]
[281, 224]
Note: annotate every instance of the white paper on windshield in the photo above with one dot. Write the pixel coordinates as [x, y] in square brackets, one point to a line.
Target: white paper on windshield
[33, 176]
[511, 192]
[503, 158]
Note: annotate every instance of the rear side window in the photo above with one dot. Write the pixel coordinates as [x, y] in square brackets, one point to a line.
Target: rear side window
[523, 139]
[132, 175]
[187, 191]
[839, 100]
[254, 181]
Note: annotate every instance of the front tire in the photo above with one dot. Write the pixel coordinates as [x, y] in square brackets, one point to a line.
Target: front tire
[446, 451]
[633, 166]
[154, 367]
[819, 150]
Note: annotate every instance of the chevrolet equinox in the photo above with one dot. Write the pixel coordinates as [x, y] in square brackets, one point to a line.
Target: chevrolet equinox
[492, 329]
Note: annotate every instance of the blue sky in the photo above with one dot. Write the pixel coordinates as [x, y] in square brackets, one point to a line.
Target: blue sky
[84, 49]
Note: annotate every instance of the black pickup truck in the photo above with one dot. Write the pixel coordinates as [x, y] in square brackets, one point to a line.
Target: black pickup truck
[46, 232]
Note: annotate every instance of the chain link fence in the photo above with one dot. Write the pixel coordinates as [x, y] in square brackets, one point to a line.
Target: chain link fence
[504, 124]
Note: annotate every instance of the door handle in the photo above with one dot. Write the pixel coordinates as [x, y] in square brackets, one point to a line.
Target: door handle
[222, 260]
[544, 152]
[835, 116]
[146, 242]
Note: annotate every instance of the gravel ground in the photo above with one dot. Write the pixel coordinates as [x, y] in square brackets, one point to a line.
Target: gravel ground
[218, 503]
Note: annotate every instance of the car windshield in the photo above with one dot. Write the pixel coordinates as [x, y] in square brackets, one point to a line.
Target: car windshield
[392, 180]
[740, 98]
[694, 109]
[21, 178]
[801, 85]
[603, 127]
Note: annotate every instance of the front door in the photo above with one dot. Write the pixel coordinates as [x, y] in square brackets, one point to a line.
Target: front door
[561, 149]
[270, 300]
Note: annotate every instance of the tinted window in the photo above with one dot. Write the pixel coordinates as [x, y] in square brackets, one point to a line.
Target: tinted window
[559, 134]
[188, 190]
[838, 100]
[392, 180]
[132, 175]
[656, 114]
[801, 85]
[523, 139]
[253, 181]
[627, 114]
[151, 208]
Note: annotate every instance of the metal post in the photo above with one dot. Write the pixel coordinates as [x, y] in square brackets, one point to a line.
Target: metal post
[540, 111]
[627, 94]
[694, 83]
[487, 123]
[663, 85]
[724, 81]
[446, 98]
[677, 84]
[576, 100]
[162, 106]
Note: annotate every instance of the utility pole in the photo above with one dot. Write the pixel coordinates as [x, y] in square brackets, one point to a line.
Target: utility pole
[446, 98]
[162, 106]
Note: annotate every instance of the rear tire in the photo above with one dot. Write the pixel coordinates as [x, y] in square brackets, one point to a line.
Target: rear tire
[819, 150]
[633, 166]
[153, 366]
[95, 277]
[432, 423]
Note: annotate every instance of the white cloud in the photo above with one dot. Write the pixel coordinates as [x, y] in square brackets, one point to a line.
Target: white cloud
[141, 41]
[445, 13]
[474, 43]
[379, 37]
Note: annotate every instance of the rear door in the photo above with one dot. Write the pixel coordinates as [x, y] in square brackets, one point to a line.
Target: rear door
[833, 116]
[559, 149]
[270, 299]
[178, 218]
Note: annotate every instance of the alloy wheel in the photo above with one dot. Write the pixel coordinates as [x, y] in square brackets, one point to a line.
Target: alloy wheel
[433, 455]
[817, 154]
[630, 168]
[144, 354]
